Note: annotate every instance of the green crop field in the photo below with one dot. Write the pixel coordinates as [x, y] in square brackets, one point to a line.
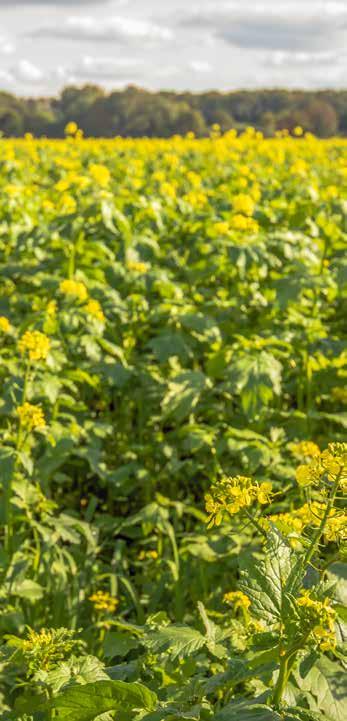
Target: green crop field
[173, 365]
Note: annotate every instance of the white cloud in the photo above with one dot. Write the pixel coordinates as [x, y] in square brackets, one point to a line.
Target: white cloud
[6, 46]
[116, 28]
[200, 66]
[56, 3]
[281, 58]
[288, 26]
[6, 77]
[105, 69]
[24, 71]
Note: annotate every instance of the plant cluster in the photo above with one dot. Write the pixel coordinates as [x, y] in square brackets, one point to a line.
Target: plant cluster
[172, 416]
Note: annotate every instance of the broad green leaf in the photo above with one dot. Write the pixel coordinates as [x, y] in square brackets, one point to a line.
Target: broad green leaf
[327, 683]
[118, 644]
[179, 641]
[86, 703]
[257, 378]
[269, 582]
[246, 710]
[28, 589]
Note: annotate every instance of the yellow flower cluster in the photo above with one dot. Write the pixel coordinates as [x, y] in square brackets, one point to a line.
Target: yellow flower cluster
[71, 128]
[51, 309]
[222, 227]
[137, 266]
[5, 325]
[231, 495]
[243, 203]
[100, 174]
[320, 616]
[44, 649]
[103, 601]
[331, 464]
[305, 449]
[74, 288]
[143, 555]
[31, 417]
[237, 600]
[93, 307]
[242, 222]
[296, 521]
[42, 638]
[34, 344]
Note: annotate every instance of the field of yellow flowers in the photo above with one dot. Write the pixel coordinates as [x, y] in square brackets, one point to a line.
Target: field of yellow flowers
[172, 423]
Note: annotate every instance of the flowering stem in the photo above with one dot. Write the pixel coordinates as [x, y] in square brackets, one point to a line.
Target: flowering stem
[320, 530]
[255, 523]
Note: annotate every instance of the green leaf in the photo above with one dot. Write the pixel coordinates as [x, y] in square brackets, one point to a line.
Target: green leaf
[86, 669]
[180, 641]
[86, 703]
[269, 583]
[183, 394]
[245, 710]
[7, 461]
[28, 589]
[327, 683]
[118, 644]
[167, 345]
[256, 378]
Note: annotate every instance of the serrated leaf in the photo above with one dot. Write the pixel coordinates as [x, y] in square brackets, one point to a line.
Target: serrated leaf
[86, 703]
[269, 583]
[246, 710]
[327, 683]
[179, 641]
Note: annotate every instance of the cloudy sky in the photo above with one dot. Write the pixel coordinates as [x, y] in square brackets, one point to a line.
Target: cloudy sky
[172, 44]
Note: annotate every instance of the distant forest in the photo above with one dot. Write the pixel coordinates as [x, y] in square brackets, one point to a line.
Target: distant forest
[136, 112]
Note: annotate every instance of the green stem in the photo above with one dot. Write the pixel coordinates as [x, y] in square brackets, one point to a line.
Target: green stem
[320, 530]
[281, 681]
[19, 438]
[255, 523]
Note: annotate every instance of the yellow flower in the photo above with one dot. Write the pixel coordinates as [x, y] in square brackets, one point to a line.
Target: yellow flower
[153, 555]
[241, 222]
[67, 204]
[231, 495]
[237, 599]
[243, 203]
[51, 309]
[74, 288]
[221, 228]
[100, 174]
[336, 528]
[103, 601]
[320, 616]
[31, 417]
[44, 649]
[5, 325]
[137, 266]
[94, 308]
[35, 344]
[71, 128]
[306, 449]
[264, 492]
[298, 131]
[287, 523]
[168, 190]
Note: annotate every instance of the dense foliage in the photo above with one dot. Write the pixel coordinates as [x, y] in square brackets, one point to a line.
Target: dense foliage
[172, 415]
[135, 112]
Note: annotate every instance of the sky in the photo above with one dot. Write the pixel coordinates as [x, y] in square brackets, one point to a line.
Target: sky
[172, 44]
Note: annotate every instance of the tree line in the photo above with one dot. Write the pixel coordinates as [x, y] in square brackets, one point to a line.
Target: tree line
[136, 112]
